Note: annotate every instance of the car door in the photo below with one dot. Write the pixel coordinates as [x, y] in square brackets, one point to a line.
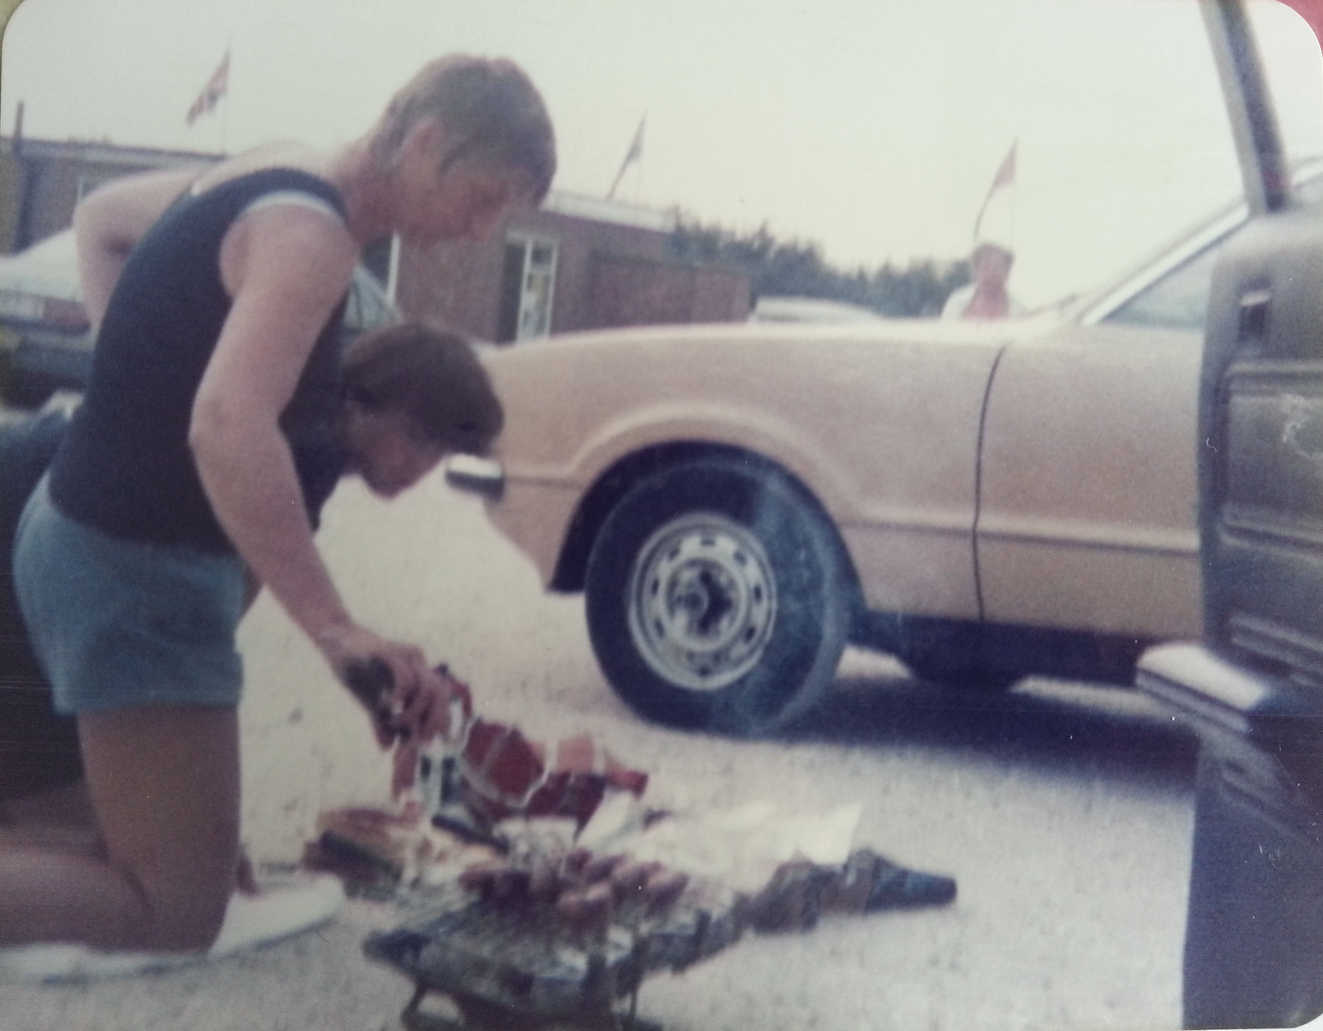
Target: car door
[1087, 483]
[1260, 461]
[1088, 504]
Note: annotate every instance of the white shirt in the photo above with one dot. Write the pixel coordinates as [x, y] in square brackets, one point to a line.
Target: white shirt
[955, 305]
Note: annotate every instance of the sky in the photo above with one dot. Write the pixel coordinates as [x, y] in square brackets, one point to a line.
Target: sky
[870, 127]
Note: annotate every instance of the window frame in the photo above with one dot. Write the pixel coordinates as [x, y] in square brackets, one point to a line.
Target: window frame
[528, 242]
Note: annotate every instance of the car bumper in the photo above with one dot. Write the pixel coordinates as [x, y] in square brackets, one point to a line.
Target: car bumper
[534, 515]
[480, 476]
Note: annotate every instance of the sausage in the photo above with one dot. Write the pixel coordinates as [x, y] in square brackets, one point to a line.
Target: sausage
[573, 862]
[662, 889]
[586, 909]
[599, 868]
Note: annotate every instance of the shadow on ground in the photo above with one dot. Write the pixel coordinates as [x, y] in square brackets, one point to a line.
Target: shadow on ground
[1047, 724]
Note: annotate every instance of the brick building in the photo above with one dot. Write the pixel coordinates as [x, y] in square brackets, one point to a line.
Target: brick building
[576, 263]
[41, 181]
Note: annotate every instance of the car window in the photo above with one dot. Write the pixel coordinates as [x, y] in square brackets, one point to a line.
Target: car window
[1179, 300]
[367, 304]
[1176, 301]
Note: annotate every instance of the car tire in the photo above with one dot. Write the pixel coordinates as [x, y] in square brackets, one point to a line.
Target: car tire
[716, 598]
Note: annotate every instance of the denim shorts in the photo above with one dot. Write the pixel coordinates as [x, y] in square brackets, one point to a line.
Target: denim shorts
[121, 624]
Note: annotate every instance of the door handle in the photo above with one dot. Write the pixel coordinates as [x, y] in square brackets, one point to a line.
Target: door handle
[1253, 322]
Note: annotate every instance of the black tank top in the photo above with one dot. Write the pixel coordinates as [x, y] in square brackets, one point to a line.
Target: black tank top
[125, 466]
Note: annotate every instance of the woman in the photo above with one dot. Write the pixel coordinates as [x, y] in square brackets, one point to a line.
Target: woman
[409, 394]
[194, 467]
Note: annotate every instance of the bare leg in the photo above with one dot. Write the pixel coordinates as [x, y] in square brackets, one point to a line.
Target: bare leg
[59, 817]
[66, 806]
[164, 784]
[62, 818]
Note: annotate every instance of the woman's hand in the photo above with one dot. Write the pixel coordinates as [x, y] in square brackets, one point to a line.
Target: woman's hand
[405, 769]
[405, 696]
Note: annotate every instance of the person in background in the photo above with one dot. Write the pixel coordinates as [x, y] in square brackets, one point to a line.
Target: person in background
[987, 297]
[193, 471]
[993, 255]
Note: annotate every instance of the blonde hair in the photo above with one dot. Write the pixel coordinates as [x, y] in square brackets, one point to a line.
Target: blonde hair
[487, 104]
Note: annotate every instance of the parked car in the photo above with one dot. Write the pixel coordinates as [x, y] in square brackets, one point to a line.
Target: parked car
[984, 500]
[788, 308]
[1252, 687]
[45, 341]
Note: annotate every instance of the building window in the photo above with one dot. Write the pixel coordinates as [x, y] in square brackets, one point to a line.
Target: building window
[527, 286]
[379, 258]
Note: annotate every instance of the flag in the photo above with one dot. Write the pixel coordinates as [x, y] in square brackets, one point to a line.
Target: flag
[634, 153]
[1006, 170]
[1003, 180]
[216, 87]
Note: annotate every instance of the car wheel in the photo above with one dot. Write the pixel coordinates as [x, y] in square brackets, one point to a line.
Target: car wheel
[716, 598]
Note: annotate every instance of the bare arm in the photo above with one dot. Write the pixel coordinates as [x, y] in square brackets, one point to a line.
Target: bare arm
[285, 269]
[109, 221]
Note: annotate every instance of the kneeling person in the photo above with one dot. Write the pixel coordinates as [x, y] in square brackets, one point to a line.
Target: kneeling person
[409, 394]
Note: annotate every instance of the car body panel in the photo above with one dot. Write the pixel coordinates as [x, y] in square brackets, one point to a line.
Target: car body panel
[42, 269]
[883, 424]
[1069, 436]
[879, 424]
[1087, 503]
[790, 308]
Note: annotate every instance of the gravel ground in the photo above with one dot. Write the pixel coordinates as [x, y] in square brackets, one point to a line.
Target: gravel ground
[1064, 812]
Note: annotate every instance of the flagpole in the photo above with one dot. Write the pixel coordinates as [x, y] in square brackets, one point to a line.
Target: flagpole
[634, 153]
[619, 175]
[225, 116]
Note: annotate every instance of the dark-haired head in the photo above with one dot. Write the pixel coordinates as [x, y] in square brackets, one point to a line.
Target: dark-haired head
[431, 375]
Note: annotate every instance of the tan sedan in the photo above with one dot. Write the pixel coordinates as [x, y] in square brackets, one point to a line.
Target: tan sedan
[984, 500]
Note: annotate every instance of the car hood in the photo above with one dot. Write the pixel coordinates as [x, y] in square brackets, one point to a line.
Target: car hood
[575, 403]
[938, 332]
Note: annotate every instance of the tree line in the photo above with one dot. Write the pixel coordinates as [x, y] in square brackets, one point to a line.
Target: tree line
[797, 267]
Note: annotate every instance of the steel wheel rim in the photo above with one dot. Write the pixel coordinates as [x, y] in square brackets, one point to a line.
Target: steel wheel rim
[702, 601]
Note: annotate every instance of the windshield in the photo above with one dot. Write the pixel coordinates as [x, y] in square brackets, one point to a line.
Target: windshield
[1173, 294]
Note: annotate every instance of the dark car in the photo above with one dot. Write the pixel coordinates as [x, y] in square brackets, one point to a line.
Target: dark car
[1252, 688]
[45, 339]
